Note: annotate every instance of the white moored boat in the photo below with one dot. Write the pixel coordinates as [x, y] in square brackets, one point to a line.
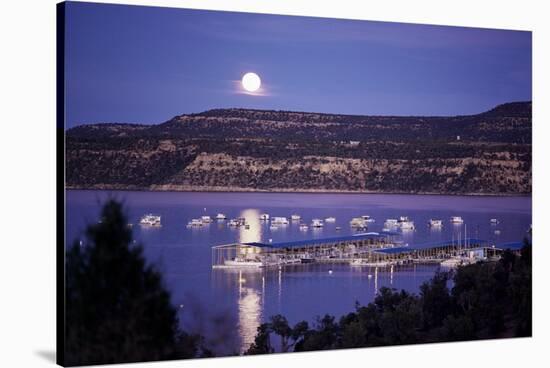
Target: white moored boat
[330, 219]
[238, 262]
[206, 219]
[365, 262]
[405, 224]
[195, 222]
[150, 220]
[390, 223]
[295, 217]
[494, 221]
[358, 222]
[317, 223]
[303, 227]
[456, 220]
[435, 223]
[221, 216]
[264, 217]
[279, 221]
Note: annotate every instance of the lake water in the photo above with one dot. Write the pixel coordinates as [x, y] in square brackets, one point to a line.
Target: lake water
[227, 305]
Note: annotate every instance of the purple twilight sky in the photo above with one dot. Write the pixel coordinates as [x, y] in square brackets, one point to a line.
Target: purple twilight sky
[148, 64]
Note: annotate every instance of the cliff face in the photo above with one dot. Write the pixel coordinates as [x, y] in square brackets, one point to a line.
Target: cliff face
[238, 149]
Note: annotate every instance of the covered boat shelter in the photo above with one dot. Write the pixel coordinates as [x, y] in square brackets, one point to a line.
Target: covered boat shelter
[341, 247]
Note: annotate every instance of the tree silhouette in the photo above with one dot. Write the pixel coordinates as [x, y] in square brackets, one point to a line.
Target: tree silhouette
[117, 309]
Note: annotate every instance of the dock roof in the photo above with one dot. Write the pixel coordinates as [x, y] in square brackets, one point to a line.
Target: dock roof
[313, 242]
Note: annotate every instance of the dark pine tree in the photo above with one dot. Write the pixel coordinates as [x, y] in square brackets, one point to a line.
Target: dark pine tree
[117, 309]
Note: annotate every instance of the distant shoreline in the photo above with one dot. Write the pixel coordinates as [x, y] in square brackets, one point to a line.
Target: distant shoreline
[215, 189]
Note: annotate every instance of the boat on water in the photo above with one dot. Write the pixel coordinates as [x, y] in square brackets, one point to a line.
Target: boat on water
[367, 218]
[241, 221]
[295, 217]
[206, 219]
[150, 220]
[366, 262]
[457, 220]
[317, 223]
[242, 262]
[279, 221]
[330, 219]
[435, 223]
[404, 223]
[221, 216]
[337, 228]
[390, 223]
[264, 217]
[452, 262]
[494, 221]
[195, 222]
[358, 222]
[304, 227]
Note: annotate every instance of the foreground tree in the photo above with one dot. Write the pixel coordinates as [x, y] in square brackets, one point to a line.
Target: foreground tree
[487, 300]
[117, 309]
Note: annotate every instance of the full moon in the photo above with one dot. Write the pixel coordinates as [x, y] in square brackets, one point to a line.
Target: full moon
[251, 82]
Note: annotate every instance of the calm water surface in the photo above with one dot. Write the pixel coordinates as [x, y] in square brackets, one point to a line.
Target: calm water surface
[228, 305]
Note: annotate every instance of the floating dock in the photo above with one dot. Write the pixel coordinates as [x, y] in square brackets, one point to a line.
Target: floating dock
[370, 248]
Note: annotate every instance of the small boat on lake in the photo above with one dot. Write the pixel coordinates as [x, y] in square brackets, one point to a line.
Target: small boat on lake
[330, 219]
[243, 262]
[221, 216]
[304, 227]
[366, 262]
[195, 222]
[358, 222]
[206, 219]
[295, 217]
[317, 223]
[435, 223]
[405, 224]
[390, 224]
[264, 217]
[457, 220]
[279, 221]
[494, 221]
[150, 220]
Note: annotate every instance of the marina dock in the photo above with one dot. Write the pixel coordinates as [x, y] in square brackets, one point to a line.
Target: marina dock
[369, 249]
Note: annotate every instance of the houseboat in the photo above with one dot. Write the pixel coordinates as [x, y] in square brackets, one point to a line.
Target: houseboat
[358, 222]
[405, 224]
[195, 222]
[435, 223]
[206, 219]
[150, 220]
[457, 220]
[317, 223]
[279, 221]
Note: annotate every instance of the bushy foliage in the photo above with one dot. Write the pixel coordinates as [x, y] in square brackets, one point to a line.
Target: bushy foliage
[487, 300]
[117, 308]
